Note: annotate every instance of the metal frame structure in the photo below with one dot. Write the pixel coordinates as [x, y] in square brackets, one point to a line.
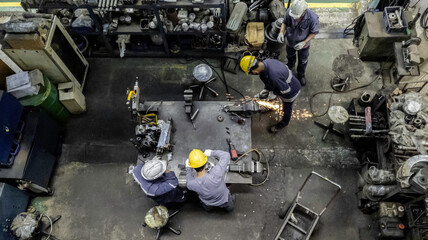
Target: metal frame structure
[135, 30]
[306, 210]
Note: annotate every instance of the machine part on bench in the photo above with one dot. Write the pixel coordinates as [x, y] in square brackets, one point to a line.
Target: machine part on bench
[365, 99]
[164, 138]
[188, 100]
[133, 98]
[378, 176]
[420, 180]
[391, 209]
[376, 192]
[391, 228]
[220, 118]
[246, 167]
[412, 107]
[412, 165]
[238, 119]
[272, 30]
[243, 107]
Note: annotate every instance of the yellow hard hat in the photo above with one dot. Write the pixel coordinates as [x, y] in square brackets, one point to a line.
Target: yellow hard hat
[197, 158]
[247, 62]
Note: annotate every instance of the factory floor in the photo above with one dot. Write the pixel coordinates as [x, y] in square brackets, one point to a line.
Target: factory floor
[98, 200]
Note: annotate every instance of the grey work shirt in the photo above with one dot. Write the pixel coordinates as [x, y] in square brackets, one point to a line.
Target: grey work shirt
[298, 31]
[211, 187]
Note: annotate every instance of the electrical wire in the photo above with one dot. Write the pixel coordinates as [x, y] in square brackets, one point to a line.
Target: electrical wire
[268, 171]
[331, 95]
[51, 226]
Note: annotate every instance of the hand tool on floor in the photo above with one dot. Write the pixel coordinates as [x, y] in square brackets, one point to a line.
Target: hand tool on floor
[232, 150]
[337, 115]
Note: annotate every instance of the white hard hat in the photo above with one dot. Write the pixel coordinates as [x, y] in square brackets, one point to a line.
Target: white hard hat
[153, 169]
[298, 8]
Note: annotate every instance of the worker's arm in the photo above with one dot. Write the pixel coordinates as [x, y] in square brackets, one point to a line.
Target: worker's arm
[224, 159]
[315, 28]
[283, 28]
[170, 182]
[309, 38]
[190, 174]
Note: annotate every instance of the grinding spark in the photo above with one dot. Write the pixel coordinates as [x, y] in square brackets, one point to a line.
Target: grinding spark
[271, 105]
[301, 114]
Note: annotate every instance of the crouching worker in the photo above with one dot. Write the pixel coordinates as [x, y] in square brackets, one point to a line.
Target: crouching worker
[158, 183]
[210, 186]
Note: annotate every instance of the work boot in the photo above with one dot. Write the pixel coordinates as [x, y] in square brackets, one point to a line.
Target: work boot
[274, 129]
[302, 80]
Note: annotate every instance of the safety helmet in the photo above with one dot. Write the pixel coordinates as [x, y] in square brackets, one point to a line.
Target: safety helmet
[197, 158]
[153, 169]
[298, 8]
[247, 62]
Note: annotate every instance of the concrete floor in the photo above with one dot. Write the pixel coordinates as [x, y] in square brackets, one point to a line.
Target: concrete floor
[98, 201]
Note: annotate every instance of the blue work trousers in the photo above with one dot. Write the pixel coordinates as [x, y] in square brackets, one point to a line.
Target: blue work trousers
[303, 55]
[287, 108]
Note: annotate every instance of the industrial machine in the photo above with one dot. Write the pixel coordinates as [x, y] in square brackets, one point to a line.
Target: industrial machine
[32, 144]
[375, 42]
[41, 42]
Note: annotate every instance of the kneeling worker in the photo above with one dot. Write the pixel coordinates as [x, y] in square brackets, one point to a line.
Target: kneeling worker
[158, 183]
[277, 78]
[210, 186]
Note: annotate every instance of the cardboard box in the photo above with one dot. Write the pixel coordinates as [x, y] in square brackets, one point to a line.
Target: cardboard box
[27, 41]
[71, 97]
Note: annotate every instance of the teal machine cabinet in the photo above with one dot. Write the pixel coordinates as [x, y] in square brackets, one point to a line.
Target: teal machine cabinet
[375, 43]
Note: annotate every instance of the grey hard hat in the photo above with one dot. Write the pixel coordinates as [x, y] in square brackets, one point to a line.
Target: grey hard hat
[153, 169]
[298, 7]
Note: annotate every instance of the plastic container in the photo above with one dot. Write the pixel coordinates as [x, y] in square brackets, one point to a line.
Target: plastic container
[235, 20]
[48, 100]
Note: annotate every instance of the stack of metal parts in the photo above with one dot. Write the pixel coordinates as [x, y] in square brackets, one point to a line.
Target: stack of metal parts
[272, 30]
[374, 122]
[38, 3]
[378, 183]
[185, 20]
[367, 126]
[409, 130]
[106, 4]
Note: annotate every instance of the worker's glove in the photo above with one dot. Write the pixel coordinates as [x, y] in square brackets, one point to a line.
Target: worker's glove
[208, 152]
[263, 94]
[187, 163]
[280, 38]
[299, 46]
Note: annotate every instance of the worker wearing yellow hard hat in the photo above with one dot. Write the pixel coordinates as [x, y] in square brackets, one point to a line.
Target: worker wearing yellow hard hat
[279, 80]
[209, 184]
[247, 62]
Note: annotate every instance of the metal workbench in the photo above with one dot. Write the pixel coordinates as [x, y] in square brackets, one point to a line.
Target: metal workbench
[209, 134]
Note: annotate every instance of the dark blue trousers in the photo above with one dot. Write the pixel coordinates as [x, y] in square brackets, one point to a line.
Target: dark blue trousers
[287, 108]
[303, 55]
